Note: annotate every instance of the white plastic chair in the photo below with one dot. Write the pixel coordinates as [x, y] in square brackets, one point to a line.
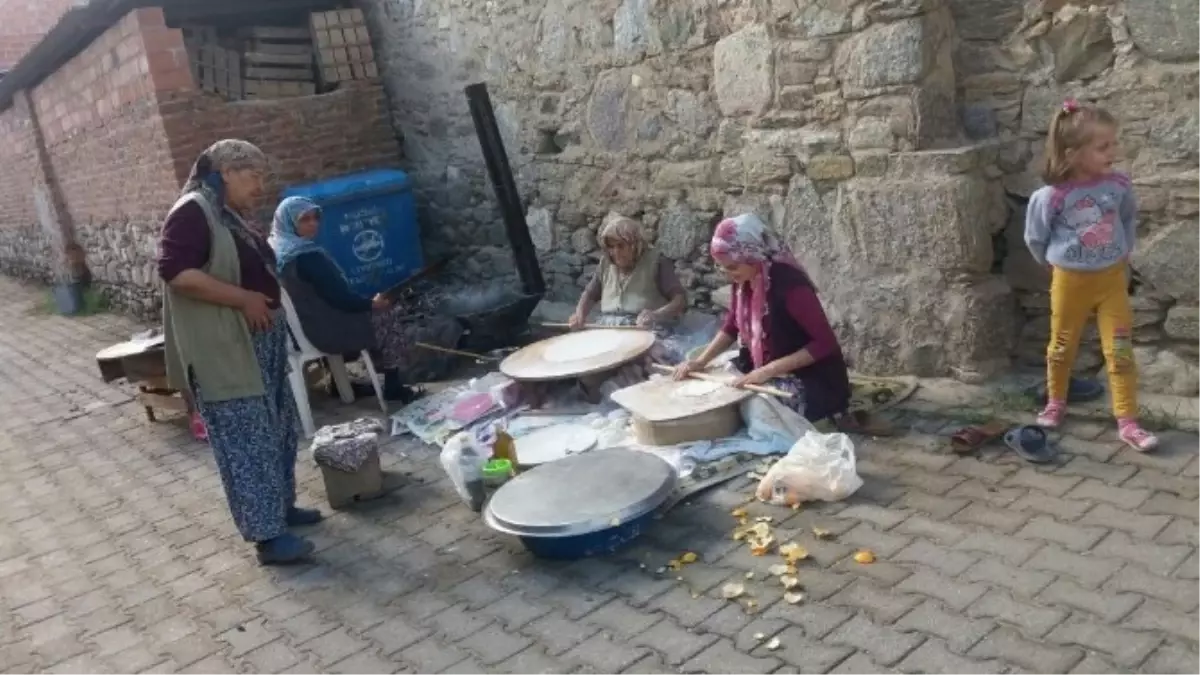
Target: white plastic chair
[306, 353]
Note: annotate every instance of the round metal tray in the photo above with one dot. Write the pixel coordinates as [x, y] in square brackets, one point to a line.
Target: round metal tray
[581, 494]
[543, 361]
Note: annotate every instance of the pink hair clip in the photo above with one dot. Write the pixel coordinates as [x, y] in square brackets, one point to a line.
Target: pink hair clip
[1070, 105]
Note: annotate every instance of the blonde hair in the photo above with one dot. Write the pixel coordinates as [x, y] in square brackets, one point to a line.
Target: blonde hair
[1071, 128]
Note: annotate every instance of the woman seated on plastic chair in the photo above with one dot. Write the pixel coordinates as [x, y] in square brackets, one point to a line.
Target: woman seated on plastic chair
[334, 318]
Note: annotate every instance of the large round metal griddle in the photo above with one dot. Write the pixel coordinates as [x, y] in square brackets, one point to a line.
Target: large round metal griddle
[577, 354]
[581, 494]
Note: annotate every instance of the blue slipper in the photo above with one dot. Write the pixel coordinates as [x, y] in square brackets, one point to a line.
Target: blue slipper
[1031, 444]
[1078, 391]
[297, 517]
[284, 550]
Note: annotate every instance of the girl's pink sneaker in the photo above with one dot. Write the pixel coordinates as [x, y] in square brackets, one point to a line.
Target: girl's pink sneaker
[1136, 437]
[196, 425]
[1052, 415]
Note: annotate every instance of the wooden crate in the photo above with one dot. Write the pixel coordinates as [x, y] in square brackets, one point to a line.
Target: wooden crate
[278, 62]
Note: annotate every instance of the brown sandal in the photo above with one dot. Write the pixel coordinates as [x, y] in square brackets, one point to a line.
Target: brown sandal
[970, 438]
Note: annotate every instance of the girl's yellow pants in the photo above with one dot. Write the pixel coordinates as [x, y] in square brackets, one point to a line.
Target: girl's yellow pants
[1074, 297]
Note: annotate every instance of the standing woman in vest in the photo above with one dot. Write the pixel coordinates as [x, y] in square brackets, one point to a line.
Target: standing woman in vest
[785, 338]
[634, 285]
[226, 342]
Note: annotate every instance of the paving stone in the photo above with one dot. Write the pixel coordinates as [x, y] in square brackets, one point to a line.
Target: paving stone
[1136, 524]
[602, 655]
[1089, 570]
[816, 620]
[932, 529]
[534, 660]
[958, 632]
[1163, 504]
[556, 633]
[1034, 620]
[883, 544]
[880, 516]
[675, 642]
[883, 572]
[1085, 467]
[493, 645]
[364, 662]
[934, 657]
[1121, 497]
[943, 559]
[273, 657]
[954, 594]
[989, 493]
[395, 634]
[884, 645]
[1013, 550]
[859, 663]
[1060, 508]
[1111, 607]
[722, 657]
[1074, 537]
[1156, 559]
[334, 646]
[993, 518]
[1006, 645]
[458, 622]
[886, 605]
[1157, 617]
[1127, 648]
[1182, 486]
[1172, 659]
[432, 655]
[1133, 579]
[1094, 664]
[810, 655]
[682, 607]
[1038, 481]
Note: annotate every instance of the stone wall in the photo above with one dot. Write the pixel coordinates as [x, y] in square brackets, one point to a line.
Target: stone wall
[120, 126]
[836, 123]
[879, 137]
[1138, 60]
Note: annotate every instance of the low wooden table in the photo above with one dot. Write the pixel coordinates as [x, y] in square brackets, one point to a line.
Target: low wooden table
[142, 362]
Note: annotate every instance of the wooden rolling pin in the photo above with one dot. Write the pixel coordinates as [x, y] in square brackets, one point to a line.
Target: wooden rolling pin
[590, 326]
[770, 391]
[446, 350]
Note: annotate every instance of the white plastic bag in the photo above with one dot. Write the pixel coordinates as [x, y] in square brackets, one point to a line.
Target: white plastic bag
[464, 465]
[819, 467]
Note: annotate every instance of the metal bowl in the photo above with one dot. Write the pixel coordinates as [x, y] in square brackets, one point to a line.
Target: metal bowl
[582, 505]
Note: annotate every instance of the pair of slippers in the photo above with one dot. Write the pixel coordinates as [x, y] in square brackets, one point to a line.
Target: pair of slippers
[1030, 442]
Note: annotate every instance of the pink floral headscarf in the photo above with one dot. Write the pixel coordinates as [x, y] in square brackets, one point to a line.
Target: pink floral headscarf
[747, 240]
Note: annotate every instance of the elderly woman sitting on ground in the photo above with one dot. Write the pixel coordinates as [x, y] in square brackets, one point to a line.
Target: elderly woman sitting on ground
[633, 285]
[338, 321]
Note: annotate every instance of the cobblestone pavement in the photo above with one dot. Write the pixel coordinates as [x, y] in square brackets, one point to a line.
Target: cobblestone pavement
[117, 554]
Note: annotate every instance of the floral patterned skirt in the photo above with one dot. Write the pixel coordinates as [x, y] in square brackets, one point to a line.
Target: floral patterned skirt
[254, 441]
[397, 330]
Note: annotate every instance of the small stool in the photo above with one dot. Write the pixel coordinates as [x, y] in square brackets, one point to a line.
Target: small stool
[345, 488]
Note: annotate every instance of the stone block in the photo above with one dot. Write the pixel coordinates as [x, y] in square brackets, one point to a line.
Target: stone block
[922, 324]
[891, 54]
[937, 223]
[1165, 30]
[1183, 323]
[1082, 45]
[681, 231]
[986, 19]
[541, 228]
[1164, 372]
[830, 167]
[871, 133]
[742, 71]
[1167, 261]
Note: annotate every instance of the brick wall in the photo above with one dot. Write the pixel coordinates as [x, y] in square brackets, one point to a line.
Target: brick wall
[25, 22]
[123, 122]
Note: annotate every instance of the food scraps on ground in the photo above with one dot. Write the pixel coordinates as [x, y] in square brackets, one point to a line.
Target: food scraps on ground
[780, 569]
[759, 637]
[732, 591]
[789, 582]
[793, 598]
[821, 533]
[749, 575]
[774, 644]
[864, 557]
[793, 552]
[686, 559]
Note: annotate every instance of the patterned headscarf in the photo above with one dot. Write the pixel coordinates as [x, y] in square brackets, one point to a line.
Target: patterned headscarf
[747, 240]
[286, 241]
[231, 154]
[627, 230]
[228, 154]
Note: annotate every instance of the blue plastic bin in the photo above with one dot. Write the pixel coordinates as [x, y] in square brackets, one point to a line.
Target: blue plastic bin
[369, 226]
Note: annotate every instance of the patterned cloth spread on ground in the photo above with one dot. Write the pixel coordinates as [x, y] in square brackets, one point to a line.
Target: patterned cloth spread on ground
[346, 446]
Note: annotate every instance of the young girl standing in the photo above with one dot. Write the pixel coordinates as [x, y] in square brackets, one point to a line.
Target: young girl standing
[1083, 225]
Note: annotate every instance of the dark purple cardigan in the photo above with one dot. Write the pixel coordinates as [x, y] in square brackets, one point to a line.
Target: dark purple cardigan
[826, 381]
